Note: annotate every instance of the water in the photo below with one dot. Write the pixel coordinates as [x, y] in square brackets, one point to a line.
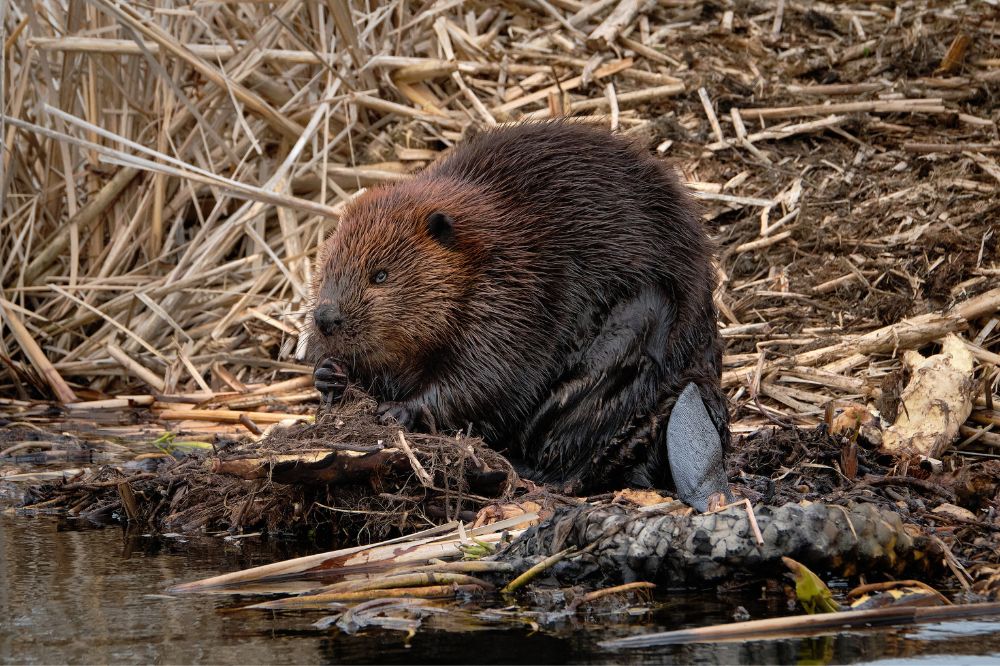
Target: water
[74, 595]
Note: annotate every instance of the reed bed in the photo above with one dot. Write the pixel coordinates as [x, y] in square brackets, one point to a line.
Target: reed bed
[169, 168]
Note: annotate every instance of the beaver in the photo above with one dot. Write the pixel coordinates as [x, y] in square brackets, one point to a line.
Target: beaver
[549, 284]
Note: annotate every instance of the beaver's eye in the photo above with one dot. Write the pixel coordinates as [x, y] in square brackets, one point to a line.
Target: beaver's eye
[378, 277]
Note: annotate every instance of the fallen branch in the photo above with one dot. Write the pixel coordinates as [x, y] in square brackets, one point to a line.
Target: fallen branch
[921, 105]
[906, 334]
[806, 625]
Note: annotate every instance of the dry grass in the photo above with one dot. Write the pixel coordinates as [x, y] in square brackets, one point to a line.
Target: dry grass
[168, 244]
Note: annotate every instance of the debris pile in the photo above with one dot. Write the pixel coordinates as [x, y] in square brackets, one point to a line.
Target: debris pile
[344, 475]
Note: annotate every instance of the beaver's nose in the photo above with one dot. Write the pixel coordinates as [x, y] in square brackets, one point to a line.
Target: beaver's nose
[328, 319]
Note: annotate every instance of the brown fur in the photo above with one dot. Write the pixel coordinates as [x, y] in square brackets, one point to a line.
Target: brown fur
[493, 319]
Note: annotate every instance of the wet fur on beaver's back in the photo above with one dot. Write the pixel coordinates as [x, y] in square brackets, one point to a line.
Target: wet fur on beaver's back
[502, 263]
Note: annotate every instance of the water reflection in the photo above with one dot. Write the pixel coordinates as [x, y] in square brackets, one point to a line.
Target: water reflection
[71, 595]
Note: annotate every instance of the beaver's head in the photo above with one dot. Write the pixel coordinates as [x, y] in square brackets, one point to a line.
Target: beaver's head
[391, 280]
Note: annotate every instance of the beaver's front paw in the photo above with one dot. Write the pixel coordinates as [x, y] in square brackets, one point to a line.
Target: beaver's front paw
[403, 414]
[330, 379]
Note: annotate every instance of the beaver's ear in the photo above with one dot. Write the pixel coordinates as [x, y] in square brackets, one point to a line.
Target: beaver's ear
[441, 228]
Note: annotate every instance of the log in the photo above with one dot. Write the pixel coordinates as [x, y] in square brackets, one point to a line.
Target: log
[313, 468]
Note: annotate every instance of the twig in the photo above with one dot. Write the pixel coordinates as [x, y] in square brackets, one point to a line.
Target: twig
[591, 597]
[418, 469]
[534, 571]
[607, 32]
[713, 120]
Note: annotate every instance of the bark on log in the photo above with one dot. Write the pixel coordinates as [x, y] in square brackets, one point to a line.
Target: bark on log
[623, 546]
[326, 467]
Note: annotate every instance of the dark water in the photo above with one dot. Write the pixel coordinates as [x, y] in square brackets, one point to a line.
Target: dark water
[71, 595]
